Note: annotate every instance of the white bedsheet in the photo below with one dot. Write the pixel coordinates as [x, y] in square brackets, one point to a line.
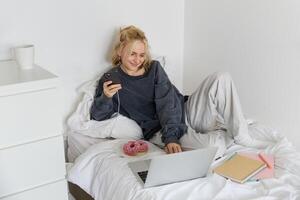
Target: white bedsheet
[78, 143]
[101, 172]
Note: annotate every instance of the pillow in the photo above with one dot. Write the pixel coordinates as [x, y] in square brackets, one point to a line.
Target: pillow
[119, 127]
[161, 59]
[100, 131]
[116, 127]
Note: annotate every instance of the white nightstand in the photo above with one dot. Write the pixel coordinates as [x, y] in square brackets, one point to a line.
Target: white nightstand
[32, 163]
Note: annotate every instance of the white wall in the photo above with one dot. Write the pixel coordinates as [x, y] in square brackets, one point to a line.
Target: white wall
[72, 38]
[258, 42]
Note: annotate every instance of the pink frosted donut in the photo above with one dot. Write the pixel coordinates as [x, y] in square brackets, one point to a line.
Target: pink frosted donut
[142, 146]
[130, 148]
[134, 148]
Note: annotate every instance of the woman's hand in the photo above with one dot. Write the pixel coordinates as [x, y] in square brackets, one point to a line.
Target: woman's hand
[173, 148]
[110, 90]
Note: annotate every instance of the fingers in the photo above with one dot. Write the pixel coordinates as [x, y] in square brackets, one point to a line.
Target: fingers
[179, 148]
[105, 84]
[110, 90]
[113, 88]
[166, 150]
[173, 148]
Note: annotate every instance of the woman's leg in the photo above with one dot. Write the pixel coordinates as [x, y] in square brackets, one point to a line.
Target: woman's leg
[192, 140]
[215, 105]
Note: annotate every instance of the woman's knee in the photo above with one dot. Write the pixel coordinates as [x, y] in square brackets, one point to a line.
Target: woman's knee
[222, 76]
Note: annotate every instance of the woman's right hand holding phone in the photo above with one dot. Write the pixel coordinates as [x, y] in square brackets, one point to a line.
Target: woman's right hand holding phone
[110, 90]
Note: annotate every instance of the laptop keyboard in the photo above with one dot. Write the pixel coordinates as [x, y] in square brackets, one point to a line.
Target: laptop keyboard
[143, 175]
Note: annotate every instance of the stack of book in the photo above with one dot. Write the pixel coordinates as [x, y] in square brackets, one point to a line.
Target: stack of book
[242, 167]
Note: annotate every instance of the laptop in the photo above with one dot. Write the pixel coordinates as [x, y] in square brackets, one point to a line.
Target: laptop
[173, 168]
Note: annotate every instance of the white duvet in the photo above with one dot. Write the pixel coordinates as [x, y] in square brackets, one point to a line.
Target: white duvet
[104, 174]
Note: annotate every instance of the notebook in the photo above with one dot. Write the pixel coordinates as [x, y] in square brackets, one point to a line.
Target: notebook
[268, 172]
[240, 168]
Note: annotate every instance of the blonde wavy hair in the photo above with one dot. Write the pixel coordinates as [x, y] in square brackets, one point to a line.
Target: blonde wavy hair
[128, 35]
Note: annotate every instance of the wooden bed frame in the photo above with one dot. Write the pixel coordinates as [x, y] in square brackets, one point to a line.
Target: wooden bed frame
[78, 193]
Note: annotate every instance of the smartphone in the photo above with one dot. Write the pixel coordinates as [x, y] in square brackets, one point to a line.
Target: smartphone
[112, 76]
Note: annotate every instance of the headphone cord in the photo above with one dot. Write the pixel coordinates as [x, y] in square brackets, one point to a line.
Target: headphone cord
[118, 103]
[116, 116]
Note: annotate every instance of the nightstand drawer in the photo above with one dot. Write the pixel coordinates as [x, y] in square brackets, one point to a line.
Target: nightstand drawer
[27, 166]
[53, 191]
[29, 116]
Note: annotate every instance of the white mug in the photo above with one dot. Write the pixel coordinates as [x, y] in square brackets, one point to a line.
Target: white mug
[25, 56]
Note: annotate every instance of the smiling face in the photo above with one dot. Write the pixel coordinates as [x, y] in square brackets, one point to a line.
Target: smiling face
[133, 56]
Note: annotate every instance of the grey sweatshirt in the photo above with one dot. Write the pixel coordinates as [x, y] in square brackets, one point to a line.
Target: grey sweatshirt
[150, 99]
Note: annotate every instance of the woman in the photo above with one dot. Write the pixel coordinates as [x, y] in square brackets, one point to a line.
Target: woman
[147, 96]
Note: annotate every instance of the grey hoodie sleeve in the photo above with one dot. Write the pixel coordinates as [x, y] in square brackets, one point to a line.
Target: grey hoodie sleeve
[169, 107]
[102, 107]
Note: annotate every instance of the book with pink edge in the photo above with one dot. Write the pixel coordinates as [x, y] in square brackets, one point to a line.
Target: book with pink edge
[268, 172]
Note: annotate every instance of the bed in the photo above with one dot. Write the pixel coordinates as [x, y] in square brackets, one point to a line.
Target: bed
[103, 173]
[98, 169]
